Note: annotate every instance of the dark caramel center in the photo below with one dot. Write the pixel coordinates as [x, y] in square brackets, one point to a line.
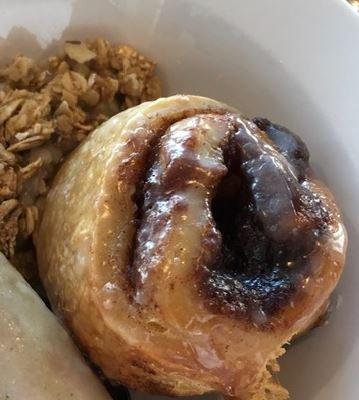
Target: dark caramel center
[262, 223]
[270, 223]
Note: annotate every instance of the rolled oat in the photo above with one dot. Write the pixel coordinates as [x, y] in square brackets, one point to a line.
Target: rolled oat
[46, 109]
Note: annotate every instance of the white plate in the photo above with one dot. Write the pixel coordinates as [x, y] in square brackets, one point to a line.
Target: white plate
[295, 62]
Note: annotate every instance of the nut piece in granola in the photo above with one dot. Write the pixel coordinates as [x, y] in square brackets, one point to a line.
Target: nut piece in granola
[46, 110]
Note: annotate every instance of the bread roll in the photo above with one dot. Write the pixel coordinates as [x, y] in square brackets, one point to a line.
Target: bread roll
[185, 244]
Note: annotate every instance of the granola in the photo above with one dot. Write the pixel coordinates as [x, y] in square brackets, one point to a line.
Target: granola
[46, 109]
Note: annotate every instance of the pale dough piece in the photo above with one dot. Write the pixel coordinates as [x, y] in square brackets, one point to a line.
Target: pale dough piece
[38, 360]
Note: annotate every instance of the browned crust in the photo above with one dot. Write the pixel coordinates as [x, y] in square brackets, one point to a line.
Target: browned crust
[74, 278]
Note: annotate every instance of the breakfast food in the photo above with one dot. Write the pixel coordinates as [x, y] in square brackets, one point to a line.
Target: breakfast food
[46, 109]
[184, 245]
[38, 360]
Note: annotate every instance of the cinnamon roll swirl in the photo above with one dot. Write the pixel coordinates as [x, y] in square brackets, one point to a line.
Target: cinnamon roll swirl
[184, 245]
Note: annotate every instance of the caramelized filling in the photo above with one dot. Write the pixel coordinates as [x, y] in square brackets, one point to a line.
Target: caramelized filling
[262, 222]
[270, 224]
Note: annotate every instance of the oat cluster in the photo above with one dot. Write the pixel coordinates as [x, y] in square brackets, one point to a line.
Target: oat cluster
[46, 109]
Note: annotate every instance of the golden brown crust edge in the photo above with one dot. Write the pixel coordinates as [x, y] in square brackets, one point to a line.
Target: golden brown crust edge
[71, 276]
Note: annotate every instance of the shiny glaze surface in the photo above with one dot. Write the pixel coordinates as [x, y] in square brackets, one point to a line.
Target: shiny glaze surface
[133, 268]
[261, 224]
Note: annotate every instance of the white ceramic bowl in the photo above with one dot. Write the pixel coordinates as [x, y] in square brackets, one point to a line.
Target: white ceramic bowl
[295, 62]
